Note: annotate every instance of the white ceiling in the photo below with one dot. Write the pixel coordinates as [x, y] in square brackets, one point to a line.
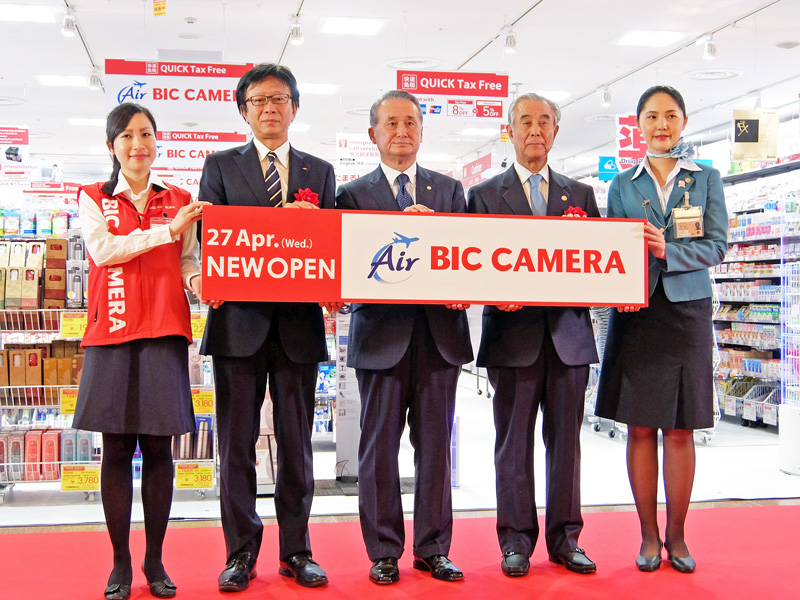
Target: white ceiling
[562, 45]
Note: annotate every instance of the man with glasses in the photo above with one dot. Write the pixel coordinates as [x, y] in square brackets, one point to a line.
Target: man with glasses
[256, 342]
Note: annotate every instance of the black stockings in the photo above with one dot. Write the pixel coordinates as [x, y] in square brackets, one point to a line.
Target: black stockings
[117, 494]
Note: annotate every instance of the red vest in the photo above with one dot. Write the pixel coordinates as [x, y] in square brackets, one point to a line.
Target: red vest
[144, 296]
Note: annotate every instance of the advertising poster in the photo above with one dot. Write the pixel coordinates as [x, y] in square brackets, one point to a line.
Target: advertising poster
[472, 96]
[755, 135]
[356, 155]
[15, 164]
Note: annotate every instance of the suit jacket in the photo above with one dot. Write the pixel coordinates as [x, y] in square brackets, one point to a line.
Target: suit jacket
[514, 339]
[685, 270]
[234, 177]
[380, 333]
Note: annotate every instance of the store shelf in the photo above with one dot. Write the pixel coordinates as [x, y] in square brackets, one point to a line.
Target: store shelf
[748, 276]
[756, 321]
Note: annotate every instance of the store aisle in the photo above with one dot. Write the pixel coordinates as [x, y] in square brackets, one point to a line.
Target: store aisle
[738, 463]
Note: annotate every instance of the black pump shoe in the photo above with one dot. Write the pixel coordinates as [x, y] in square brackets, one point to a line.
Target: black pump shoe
[649, 564]
[118, 591]
[163, 588]
[684, 564]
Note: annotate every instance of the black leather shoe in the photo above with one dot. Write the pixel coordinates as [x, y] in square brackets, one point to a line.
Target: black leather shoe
[648, 564]
[575, 561]
[681, 565]
[163, 588]
[305, 571]
[238, 572]
[515, 564]
[440, 567]
[384, 571]
[118, 591]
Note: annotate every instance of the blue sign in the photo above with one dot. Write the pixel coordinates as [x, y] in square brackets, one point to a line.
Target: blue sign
[607, 168]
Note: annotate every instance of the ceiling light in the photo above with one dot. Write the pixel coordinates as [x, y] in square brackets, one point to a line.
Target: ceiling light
[412, 64]
[21, 13]
[510, 42]
[101, 150]
[712, 74]
[480, 131]
[299, 127]
[640, 37]
[351, 26]
[554, 95]
[600, 118]
[322, 89]
[360, 111]
[69, 26]
[189, 36]
[95, 83]
[605, 97]
[787, 45]
[11, 101]
[62, 80]
[710, 48]
[296, 33]
[81, 122]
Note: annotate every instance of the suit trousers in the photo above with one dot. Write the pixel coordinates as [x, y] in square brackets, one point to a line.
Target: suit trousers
[557, 389]
[423, 386]
[241, 385]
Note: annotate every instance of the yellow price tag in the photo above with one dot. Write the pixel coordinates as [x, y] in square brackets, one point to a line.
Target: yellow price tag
[192, 476]
[203, 401]
[159, 8]
[73, 325]
[80, 478]
[68, 399]
[198, 325]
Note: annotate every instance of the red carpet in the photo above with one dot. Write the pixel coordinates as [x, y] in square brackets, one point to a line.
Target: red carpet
[749, 552]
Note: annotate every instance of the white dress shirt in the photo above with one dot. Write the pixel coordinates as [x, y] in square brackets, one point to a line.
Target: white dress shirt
[524, 176]
[665, 191]
[281, 163]
[391, 176]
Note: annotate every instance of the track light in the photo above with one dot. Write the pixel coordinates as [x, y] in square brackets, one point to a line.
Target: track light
[710, 48]
[605, 97]
[95, 83]
[296, 33]
[69, 25]
[510, 41]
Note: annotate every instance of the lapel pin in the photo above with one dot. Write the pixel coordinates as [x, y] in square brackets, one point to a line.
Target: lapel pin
[429, 187]
[305, 168]
[564, 198]
[681, 184]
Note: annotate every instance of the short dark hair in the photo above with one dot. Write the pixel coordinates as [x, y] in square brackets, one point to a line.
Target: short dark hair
[536, 98]
[660, 89]
[399, 94]
[262, 72]
[116, 122]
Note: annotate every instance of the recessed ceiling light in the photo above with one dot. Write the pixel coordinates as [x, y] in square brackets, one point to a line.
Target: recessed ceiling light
[318, 88]
[351, 26]
[360, 111]
[480, 131]
[712, 74]
[787, 45]
[40, 135]
[190, 123]
[189, 36]
[299, 127]
[62, 80]
[656, 39]
[11, 101]
[413, 64]
[328, 142]
[27, 14]
[555, 96]
[600, 118]
[81, 122]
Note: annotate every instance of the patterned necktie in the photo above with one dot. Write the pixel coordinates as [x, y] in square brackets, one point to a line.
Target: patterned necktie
[404, 199]
[538, 205]
[273, 181]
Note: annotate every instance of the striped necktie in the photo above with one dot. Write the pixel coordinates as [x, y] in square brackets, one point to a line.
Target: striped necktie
[273, 181]
[538, 205]
[404, 199]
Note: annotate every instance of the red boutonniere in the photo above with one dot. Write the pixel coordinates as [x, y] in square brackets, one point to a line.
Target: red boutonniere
[575, 211]
[306, 195]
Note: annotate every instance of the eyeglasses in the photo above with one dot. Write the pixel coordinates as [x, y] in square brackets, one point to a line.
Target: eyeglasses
[262, 100]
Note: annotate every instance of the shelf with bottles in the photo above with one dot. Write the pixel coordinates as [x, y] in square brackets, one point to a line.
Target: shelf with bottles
[753, 335]
[735, 363]
[749, 313]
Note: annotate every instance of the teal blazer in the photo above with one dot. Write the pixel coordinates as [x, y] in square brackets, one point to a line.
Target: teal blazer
[685, 271]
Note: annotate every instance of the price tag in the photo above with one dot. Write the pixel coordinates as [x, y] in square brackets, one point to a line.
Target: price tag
[770, 414]
[730, 406]
[192, 476]
[203, 401]
[73, 325]
[80, 478]
[749, 412]
[198, 325]
[68, 397]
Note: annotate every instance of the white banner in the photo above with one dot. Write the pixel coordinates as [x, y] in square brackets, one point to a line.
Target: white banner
[188, 149]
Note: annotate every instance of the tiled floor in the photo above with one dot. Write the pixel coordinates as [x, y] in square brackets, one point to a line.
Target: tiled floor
[737, 463]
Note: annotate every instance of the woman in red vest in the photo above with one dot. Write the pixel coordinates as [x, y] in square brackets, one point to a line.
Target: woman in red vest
[140, 238]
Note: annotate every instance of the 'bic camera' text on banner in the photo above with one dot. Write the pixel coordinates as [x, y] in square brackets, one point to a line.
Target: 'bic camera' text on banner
[253, 254]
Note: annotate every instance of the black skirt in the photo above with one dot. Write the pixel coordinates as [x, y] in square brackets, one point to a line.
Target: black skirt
[658, 365]
[141, 386]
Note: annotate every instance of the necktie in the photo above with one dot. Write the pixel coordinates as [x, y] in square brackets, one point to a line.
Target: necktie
[273, 181]
[538, 205]
[404, 199]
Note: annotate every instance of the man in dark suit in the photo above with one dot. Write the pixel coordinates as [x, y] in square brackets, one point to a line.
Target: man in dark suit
[536, 357]
[253, 342]
[407, 360]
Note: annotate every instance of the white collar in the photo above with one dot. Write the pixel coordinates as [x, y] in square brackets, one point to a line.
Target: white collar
[282, 151]
[683, 163]
[391, 174]
[524, 174]
[123, 185]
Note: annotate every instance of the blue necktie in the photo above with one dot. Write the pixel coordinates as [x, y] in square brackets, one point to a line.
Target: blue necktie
[538, 205]
[273, 181]
[404, 199]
